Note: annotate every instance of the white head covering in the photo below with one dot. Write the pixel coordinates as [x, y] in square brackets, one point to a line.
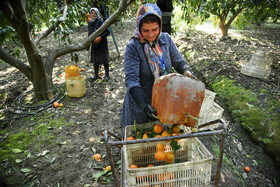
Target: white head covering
[97, 12]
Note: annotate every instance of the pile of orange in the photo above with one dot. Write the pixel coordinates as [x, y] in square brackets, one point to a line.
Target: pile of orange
[158, 131]
[56, 104]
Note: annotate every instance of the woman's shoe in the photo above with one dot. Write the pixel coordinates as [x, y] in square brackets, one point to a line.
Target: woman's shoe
[106, 78]
[94, 77]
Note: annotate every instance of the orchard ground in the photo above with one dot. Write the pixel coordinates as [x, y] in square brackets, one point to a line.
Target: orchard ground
[63, 156]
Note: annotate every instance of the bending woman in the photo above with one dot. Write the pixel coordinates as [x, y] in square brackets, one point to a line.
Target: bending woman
[148, 55]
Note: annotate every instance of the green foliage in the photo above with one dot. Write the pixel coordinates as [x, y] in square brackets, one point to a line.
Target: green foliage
[255, 11]
[183, 18]
[243, 104]
[37, 136]
[241, 22]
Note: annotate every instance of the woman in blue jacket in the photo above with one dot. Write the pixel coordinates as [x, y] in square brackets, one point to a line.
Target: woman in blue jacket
[149, 54]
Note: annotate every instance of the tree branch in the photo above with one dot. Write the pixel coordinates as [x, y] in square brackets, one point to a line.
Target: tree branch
[84, 44]
[25, 69]
[52, 28]
[234, 15]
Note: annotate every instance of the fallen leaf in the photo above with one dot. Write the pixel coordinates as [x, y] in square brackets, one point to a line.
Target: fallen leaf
[93, 149]
[96, 176]
[16, 150]
[18, 161]
[25, 170]
[53, 159]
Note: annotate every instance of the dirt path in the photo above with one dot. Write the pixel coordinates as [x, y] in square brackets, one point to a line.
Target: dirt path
[67, 161]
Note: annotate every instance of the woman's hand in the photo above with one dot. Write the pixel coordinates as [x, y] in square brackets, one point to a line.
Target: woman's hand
[97, 40]
[149, 111]
[189, 74]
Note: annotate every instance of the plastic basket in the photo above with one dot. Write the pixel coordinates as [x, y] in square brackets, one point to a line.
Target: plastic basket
[213, 113]
[258, 66]
[207, 103]
[192, 165]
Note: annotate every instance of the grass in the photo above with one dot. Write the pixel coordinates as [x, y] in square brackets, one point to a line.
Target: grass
[243, 104]
[226, 160]
[37, 133]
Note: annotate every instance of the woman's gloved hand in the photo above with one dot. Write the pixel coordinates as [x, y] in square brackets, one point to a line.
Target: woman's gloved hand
[149, 111]
[188, 73]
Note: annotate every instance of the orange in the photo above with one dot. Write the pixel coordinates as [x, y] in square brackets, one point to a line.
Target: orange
[133, 166]
[91, 139]
[247, 169]
[169, 157]
[176, 134]
[165, 134]
[150, 165]
[158, 128]
[160, 177]
[55, 104]
[60, 75]
[60, 105]
[159, 155]
[108, 168]
[130, 138]
[97, 157]
[169, 176]
[175, 128]
[160, 147]
[145, 136]
[157, 136]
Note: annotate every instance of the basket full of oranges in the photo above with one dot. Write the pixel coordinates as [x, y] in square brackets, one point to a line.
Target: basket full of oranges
[176, 162]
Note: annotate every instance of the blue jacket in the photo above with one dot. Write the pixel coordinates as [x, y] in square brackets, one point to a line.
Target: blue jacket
[138, 73]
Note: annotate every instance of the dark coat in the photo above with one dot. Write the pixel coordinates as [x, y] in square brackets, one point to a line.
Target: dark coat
[166, 8]
[99, 52]
[165, 5]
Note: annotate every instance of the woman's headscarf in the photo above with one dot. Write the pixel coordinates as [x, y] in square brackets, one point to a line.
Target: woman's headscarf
[97, 12]
[152, 49]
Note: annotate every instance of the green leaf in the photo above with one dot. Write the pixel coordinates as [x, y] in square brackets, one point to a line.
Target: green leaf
[96, 176]
[25, 170]
[18, 161]
[175, 146]
[53, 159]
[118, 162]
[16, 151]
[93, 149]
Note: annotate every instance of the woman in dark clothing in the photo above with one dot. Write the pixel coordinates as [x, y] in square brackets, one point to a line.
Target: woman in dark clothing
[99, 49]
[166, 8]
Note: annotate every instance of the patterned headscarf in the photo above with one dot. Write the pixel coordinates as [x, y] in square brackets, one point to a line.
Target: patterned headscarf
[97, 12]
[152, 49]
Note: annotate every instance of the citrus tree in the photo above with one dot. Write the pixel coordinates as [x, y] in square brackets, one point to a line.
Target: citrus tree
[226, 11]
[22, 27]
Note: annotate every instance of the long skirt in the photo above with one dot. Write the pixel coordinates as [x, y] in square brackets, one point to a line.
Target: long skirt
[99, 58]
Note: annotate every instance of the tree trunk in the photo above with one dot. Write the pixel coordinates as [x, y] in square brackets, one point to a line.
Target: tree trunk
[224, 29]
[42, 84]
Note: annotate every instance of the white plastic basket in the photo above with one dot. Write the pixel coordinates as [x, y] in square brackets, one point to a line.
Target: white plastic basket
[207, 103]
[258, 66]
[213, 113]
[192, 166]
